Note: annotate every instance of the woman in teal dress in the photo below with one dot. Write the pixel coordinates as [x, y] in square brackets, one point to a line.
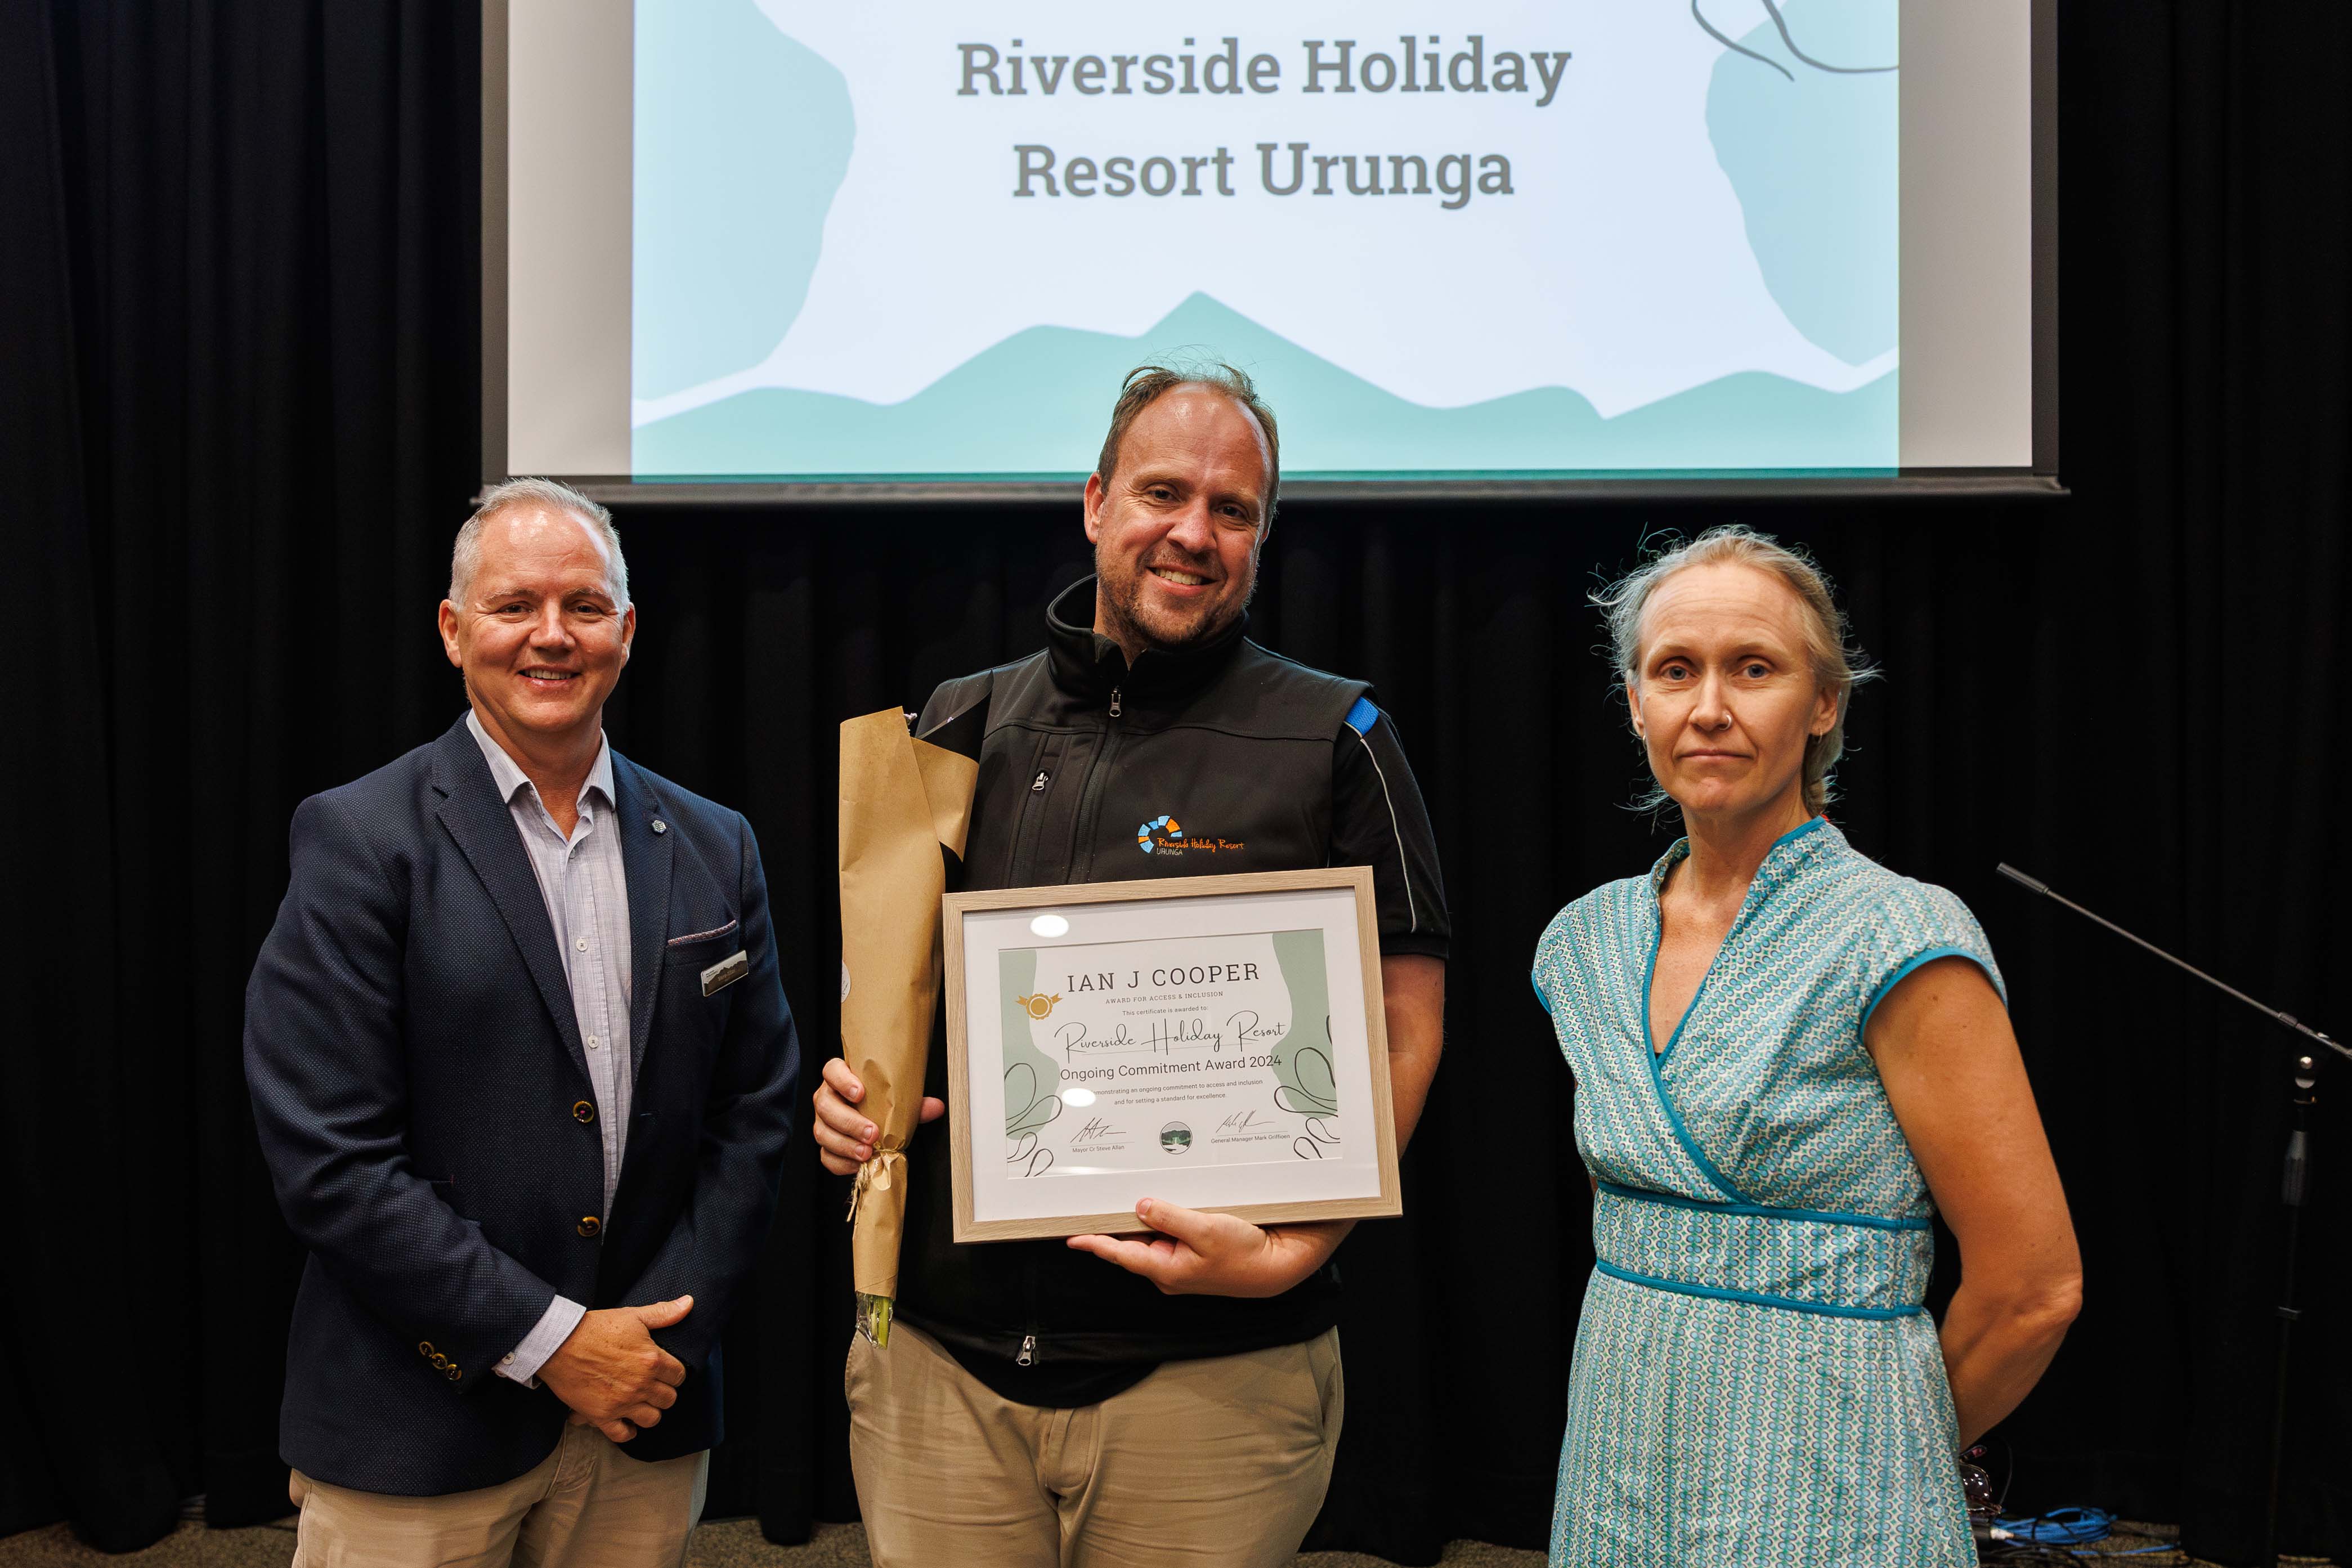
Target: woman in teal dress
[1787, 1058]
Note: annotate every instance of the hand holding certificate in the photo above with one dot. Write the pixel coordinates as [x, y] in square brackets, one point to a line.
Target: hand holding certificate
[1200, 1252]
[1217, 1043]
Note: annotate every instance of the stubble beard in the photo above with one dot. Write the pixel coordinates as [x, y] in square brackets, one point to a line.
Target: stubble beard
[1122, 598]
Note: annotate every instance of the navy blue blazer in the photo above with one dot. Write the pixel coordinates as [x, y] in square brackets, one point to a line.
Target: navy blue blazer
[415, 1065]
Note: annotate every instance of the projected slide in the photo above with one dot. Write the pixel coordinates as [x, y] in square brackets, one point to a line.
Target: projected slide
[917, 240]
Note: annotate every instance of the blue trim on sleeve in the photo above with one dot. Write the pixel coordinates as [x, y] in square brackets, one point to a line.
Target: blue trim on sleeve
[1538, 983]
[1816, 1217]
[1928, 955]
[1362, 717]
[1753, 1297]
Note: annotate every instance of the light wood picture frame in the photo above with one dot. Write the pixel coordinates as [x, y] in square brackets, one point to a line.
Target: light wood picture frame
[1337, 1167]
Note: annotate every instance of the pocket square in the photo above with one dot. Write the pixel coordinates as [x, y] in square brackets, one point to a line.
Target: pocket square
[725, 972]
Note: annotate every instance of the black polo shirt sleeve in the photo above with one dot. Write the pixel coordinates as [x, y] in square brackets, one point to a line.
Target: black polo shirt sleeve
[1377, 820]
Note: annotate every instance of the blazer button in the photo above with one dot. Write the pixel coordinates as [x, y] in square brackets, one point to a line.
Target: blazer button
[425, 1349]
[441, 1360]
[590, 1225]
[454, 1375]
[583, 1112]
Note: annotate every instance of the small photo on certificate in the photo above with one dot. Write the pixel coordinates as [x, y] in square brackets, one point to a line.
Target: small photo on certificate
[1216, 1042]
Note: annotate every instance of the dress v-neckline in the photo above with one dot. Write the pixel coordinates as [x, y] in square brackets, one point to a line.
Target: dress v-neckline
[1650, 1007]
[1650, 981]
[1658, 876]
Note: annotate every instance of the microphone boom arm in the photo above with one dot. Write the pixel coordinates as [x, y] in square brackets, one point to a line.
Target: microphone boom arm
[2035, 885]
[2293, 1190]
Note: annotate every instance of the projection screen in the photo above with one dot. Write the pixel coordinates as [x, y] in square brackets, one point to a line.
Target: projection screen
[744, 249]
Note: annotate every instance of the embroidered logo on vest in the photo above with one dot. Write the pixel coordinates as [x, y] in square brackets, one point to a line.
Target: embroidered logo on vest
[1166, 836]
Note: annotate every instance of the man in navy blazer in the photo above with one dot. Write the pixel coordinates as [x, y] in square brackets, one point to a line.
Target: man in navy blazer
[524, 1076]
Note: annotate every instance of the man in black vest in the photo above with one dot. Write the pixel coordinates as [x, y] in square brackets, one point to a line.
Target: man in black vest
[1038, 1407]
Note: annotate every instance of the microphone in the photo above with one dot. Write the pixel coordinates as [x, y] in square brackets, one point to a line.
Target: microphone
[2036, 885]
[2295, 1184]
[2031, 884]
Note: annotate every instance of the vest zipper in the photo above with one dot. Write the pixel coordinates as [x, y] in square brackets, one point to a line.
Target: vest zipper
[1082, 824]
[1027, 1355]
[1037, 784]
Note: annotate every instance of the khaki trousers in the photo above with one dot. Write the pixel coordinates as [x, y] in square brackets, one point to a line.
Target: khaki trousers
[586, 1505]
[1219, 1462]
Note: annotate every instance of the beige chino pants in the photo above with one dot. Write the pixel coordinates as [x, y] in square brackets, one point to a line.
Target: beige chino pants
[586, 1505]
[1219, 1462]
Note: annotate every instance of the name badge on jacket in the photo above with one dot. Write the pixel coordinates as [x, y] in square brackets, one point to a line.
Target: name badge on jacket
[726, 973]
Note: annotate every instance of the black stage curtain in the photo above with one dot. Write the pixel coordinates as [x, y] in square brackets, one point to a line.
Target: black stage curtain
[241, 336]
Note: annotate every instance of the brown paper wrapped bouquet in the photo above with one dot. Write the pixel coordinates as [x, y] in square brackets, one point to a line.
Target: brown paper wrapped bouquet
[902, 801]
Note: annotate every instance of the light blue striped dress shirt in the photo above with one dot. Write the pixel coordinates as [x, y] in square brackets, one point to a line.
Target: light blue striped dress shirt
[586, 891]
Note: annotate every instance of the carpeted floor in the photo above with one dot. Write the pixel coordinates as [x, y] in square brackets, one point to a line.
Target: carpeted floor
[735, 1543]
[731, 1543]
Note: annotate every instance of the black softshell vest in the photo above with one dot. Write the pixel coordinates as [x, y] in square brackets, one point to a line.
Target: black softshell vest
[1220, 759]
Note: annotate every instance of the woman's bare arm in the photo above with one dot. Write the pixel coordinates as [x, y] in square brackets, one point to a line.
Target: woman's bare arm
[1952, 1072]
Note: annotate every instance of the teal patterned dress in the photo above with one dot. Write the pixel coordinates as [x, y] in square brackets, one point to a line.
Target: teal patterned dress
[1756, 1380]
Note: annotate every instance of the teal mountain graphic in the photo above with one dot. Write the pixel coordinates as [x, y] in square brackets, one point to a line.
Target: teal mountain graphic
[1035, 405]
[1812, 155]
[742, 137]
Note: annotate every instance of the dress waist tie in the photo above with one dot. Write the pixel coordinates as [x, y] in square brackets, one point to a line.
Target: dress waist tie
[1802, 1261]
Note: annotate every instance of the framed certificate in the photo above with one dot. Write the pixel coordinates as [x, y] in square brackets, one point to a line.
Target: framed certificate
[1217, 1041]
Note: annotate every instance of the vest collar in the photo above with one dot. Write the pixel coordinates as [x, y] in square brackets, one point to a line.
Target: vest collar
[1089, 665]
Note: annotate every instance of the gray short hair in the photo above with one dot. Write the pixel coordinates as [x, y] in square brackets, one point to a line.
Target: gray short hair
[1838, 665]
[467, 554]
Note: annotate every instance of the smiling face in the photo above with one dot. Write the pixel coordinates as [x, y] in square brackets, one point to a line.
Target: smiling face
[1176, 532]
[539, 636]
[1725, 696]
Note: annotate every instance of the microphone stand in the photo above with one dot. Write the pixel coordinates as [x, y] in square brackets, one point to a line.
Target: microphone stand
[2293, 1182]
